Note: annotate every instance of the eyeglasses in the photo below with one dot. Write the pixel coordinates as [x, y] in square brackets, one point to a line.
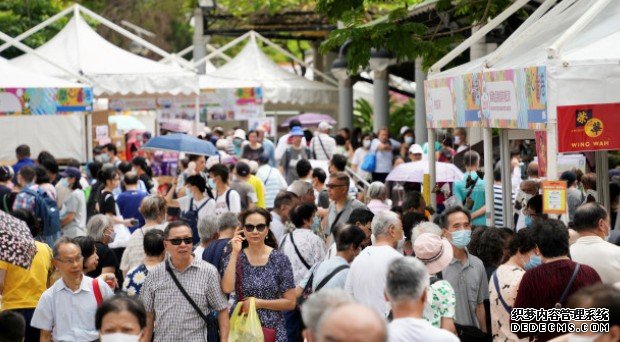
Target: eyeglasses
[71, 261]
[177, 242]
[250, 228]
[333, 186]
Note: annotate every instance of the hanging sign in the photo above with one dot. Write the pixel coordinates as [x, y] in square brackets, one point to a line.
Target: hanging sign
[45, 101]
[440, 104]
[554, 197]
[588, 127]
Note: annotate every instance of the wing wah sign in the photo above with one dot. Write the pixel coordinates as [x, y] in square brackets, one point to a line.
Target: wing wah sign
[588, 127]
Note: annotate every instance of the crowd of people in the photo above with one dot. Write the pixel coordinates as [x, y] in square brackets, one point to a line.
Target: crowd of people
[321, 255]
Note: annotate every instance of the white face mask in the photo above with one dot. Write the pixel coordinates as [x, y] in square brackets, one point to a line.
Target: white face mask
[457, 140]
[119, 337]
[366, 143]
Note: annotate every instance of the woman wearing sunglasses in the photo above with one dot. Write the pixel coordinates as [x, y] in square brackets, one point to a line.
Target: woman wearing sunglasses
[255, 268]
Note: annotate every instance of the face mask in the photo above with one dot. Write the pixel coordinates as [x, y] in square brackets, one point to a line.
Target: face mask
[211, 183]
[457, 140]
[104, 158]
[237, 142]
[316, 224]
[372, 239]
[119, 337]
[112, 236]
[64, 183]
[535, 261]
[366, 143]
[582, 338]
[461, 238]
[409, 140]
[528, 221]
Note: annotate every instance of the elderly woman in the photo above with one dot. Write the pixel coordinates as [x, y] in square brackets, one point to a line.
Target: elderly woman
[120, 318]
[227, 224]
[89, 253]
[255, 268]
[153, 208]
[207, 230]
[101, 228]
[377, 197]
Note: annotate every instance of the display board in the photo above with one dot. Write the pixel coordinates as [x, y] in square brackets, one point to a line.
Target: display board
[45, 101]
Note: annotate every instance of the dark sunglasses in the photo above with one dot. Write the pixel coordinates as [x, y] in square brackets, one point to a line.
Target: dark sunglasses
[250, 228]
[333, 186]
[177, 242]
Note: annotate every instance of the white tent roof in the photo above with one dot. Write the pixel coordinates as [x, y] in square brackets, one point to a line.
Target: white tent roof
[252, 68]
[15, 77]
[79, 48]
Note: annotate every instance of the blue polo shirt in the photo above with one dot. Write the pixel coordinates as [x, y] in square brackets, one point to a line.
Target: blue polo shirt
[460, 191]
[128, 204]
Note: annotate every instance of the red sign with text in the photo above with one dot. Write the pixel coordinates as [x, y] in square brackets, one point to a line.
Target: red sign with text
[589, 127]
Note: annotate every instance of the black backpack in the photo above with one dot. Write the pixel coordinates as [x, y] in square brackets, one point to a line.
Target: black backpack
[191, 218]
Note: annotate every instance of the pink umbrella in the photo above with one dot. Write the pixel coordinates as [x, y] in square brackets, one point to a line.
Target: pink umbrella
[310, 119]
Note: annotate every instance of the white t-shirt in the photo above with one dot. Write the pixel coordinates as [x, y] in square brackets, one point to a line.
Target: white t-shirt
[358, 159]
[203, 212]
[367, 277]
[233, 205]
[416, 329]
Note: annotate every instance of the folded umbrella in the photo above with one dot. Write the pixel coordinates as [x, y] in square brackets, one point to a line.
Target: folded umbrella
[17, 246]
[179, 142]
[414, 172]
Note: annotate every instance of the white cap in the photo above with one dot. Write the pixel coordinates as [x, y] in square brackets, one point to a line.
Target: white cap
[239, 133]
[207, 130]
[404, 129]
[416, 149]
[324, 125]
[221, 144]
[253, 166]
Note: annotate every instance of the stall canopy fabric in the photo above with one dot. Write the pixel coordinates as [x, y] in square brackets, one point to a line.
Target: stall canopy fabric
[251, 68]
[112, 70]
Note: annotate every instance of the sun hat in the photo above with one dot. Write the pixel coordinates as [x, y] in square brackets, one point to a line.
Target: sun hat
[416, 149]
[433, 251]
[324, 125]
[297, 131]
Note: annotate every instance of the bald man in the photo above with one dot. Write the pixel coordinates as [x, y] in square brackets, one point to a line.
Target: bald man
[352, 323]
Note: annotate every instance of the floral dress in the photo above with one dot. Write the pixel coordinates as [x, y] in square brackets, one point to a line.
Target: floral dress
[442, 302]
[134, 280]
[270, 282]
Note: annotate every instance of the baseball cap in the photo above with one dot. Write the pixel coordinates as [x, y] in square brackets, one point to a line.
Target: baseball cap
[297, 131]
[416, 149]
[239, 133]
[6, 173]
[435, 252]
[71, 172]
[324, 125]
[242, 169]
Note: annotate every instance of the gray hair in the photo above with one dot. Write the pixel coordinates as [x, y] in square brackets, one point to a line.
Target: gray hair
[425, 227]
[96, 225]
[377, 190]
[207, 226]
[62, 241]
[383, 220]
[318, 302]
[300, 188]
[407, 279]
[228, 220]
[153, 207]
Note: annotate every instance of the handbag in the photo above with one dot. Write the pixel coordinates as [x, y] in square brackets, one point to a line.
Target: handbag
[269, 334]
[213, 328]
[369, 163]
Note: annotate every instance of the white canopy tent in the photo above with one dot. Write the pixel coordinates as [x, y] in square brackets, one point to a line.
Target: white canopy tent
[252, 68]
[578, 42]
[113, 71]
[62, 135]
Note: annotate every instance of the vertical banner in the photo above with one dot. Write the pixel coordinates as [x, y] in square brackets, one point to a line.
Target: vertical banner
[554, 197]
[535, 101]
[588, 127]
[440, 103]
[471, 93]
[541, 152]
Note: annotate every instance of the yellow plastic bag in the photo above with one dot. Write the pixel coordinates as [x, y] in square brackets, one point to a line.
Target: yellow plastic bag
[245, 327]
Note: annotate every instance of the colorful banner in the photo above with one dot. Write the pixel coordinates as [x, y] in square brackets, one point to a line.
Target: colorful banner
[496, 99]
[588, 127]
[233, 104]
[268, 124]
[554, 197]
[45, 101]
[541, 152]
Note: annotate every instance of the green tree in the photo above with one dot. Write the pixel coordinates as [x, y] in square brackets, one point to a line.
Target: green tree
[400, 115]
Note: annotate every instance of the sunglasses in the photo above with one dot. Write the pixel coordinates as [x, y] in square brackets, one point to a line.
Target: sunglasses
[177, 242]
[333, 186]
[250, 228]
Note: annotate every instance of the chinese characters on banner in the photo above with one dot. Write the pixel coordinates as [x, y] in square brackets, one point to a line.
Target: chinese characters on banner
[233, 104]
[588, 127]
[440, 103]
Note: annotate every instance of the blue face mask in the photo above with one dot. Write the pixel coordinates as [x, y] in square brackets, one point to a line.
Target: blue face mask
[316, 224]
[409, 140]
[528, 221]
[535, 261]
[211, 183]
[461, 238]
[64, 183]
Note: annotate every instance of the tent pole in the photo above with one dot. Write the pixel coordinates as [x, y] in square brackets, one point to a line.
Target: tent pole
[602, 178]
[222, 55]
[39, 27]
[478, 35]
[580, 24]
[293, 57]
[89, 136]
[222, 49]
[432, 165]
[504, 145]
[488, 175]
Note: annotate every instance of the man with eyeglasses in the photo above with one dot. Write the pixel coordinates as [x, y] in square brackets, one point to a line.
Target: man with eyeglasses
[179, 293]
[66, 311]
[342, 205]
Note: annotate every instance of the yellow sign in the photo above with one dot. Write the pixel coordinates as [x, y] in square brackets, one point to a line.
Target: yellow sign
[554, 197]
[426, 188]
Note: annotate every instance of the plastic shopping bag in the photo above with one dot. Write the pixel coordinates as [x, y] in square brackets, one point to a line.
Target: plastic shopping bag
[245, 327]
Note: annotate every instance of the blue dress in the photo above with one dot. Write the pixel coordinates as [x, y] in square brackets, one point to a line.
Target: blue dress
[134, 280]
[269, 281]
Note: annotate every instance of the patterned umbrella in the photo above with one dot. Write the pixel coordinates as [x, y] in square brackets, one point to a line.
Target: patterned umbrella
[16, 243]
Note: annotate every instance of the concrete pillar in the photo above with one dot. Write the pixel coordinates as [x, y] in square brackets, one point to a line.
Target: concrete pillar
[345, 103]
[381, 100]
[317, 60]
[421, 133]
[504, 145]
[200, 47]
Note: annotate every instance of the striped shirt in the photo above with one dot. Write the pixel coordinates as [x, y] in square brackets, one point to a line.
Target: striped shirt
[274, 183]
[498, 205]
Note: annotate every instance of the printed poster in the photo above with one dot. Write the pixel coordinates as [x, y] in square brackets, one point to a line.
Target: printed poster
[554, 197]
[45, 101]
[233, 104]
[440, 103]
[589, 127]
[472, 94]
[268, 124]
